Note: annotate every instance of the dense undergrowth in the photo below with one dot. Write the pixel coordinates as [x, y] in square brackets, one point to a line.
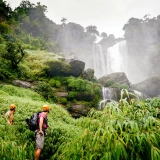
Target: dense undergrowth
[125, 130]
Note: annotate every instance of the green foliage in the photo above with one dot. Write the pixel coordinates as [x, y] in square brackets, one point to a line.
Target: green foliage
[58, 84]
[124, 130]
[124, 86]
[5, 75]
[5, 11]
[33, 63]
[57, 68]
[77, 84]
[110, 83]
[55, 83]
[45, 90]
[52, 82]
[17, 141]
[120, 131]
[83, 90]
[71, 95]
[21, 92]
[4, 28]
[62, 79]
[64, 101]
[14, 53]
[2, 40]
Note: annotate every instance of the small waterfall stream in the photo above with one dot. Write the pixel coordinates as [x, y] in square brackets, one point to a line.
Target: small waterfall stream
[107, 95]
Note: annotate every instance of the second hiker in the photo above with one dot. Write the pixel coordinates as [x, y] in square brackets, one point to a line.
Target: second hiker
[10, 114]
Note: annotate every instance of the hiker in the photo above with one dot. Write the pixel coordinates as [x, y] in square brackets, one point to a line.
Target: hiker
[10, 114]
[41, 131]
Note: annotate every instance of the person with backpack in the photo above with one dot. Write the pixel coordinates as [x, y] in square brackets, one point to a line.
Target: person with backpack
[41, 130]
[10, 114]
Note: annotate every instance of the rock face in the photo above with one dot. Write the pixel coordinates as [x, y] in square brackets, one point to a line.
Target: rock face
[150, 87]
[117, 77]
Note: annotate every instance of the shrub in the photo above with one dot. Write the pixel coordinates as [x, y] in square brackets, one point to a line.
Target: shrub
[77, 84]
[109, 83]
[84, 90]
[71, 95]
[57, 84]
[5, 75]
[2, 40]
[62, 79]
[4, 28]
[44, 89]
[57, 68]
[52, 82]
[74, 101]
[64, 101]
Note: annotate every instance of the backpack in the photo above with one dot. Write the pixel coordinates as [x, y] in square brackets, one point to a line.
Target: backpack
[32, 123]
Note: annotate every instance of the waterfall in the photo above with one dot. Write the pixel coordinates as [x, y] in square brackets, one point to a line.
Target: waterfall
[107, 95]
[117, 58]
[99, 60]
[139, 95]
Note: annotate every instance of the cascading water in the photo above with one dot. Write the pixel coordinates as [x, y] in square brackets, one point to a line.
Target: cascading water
[107, 95]
[117, 58]
[99, 59]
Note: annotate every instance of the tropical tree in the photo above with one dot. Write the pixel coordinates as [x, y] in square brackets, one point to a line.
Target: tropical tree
[63, 20]
[92, 30]
[13, 52]
[5, 11]
[104, 35]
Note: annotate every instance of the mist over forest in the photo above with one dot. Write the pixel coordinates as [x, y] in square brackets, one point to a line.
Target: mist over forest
[29, 25]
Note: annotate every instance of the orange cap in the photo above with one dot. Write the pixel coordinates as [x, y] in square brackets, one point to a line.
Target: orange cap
[45, 107]
[12, 106]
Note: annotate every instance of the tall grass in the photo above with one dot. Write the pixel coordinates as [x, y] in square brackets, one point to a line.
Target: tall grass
[122, 130]
[126, 130]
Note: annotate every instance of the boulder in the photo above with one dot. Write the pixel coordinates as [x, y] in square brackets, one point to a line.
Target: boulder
[78, 110]
[150, 86]
[117, 77]
[62, 94]
[77, 67]
[88, 74]
[23, 84]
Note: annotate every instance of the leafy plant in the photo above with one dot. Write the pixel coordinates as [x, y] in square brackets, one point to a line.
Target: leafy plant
[44, 89]
[5, 75]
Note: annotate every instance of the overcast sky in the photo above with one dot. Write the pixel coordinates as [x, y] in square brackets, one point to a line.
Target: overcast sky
[107, 15]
